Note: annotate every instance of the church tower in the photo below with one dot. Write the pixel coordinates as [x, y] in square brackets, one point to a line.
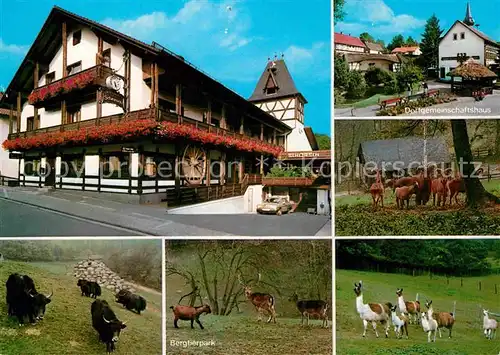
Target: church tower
[277, 95]
[468, 20]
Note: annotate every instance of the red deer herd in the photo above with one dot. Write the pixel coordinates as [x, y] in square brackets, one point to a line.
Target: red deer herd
[438, 183]
[409, 311]
[264, 303]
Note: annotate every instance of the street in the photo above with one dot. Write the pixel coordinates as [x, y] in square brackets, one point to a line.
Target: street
[19, 220]
[101, 217]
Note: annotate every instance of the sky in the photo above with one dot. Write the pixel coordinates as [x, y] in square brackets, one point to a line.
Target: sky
[384, 19]
[231, 40]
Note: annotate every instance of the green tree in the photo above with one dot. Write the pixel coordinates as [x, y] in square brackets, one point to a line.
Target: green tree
[365, 36]
[381, 42]
[341, 73]
[411, 42]
[430, 44]
[397, 41]
[338, 10]
[410, 74]
[356, 86]
[324, 141]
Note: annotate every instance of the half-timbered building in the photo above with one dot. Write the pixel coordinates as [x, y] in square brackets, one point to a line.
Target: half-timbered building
[93, 109]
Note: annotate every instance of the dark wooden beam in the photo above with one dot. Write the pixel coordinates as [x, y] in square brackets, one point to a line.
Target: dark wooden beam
[11, 119]
[178, 102]
[18, 117]
[36, 74]
[156, 93]
[65, 50]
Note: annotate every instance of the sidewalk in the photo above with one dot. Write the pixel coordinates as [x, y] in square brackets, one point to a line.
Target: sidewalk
[326, 231]
[146, 219]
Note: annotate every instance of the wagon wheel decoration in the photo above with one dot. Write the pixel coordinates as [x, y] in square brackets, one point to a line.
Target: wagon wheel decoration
[194, 165]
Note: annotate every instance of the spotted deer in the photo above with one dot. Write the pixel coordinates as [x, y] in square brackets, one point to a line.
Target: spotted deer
[263, 302]
[372, 312]
[411, 309]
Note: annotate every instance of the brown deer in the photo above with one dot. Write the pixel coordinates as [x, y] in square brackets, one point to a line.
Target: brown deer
[263, 302]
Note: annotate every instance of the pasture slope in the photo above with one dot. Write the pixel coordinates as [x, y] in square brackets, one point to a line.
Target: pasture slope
[67, 327]
[468, 338]
[243, 334]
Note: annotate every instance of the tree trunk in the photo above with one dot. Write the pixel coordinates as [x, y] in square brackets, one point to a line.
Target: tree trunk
[497, 138]
[476, 194]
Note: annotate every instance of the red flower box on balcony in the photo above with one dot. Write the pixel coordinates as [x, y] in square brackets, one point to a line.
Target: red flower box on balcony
[66, 85]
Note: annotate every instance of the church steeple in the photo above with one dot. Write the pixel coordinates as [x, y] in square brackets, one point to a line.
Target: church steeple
[468, 16]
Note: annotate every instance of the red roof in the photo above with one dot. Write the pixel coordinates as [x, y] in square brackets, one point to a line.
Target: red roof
[404, 49]
[348, 40]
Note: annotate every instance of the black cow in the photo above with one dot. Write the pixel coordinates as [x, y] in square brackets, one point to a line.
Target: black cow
[84, 287]
[106, 324]
[23, 300]
[95, 289]
[131, 301]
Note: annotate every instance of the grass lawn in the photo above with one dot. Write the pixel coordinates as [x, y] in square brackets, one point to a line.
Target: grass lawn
[67, 327]
[468, 338]
[369, 101]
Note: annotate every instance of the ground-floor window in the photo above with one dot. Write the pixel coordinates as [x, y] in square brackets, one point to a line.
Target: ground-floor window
[72, 165]
[32, 166]
[116, 165]
[162, 165]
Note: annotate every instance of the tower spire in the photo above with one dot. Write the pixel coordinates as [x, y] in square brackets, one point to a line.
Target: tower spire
[468, 16]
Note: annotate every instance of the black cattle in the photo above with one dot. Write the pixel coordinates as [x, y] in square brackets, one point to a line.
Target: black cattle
[106, 324]
[23, 300]
[84, 287]
[95, 289]
[131, 301]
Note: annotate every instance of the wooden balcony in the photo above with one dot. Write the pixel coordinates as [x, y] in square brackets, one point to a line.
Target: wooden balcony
[88, 78]
[149, 113]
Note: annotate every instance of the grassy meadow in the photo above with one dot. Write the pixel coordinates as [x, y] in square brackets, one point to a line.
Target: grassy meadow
[67, 327]
[351, 212]
[468, 338]
[240, 332]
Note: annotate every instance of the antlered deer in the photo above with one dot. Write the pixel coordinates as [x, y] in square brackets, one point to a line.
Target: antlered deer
[263, 302]
[372, 312]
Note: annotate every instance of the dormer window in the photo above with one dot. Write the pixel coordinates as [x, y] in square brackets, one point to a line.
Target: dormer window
[271, 86]
[270, 91]
[77, 37]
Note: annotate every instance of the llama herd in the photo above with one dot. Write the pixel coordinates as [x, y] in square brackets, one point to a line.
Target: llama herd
[410, 312]
[426, 183]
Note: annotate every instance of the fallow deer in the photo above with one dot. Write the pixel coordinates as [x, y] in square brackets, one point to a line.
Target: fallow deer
[263, 302]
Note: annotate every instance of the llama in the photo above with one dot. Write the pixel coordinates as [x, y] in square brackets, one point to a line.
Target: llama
[372, 312]
[400, 323]
[410, 308]
[444, 319]
[489, 325]
[429, 324]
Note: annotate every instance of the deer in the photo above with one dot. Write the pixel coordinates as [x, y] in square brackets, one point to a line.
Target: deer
[311, 307]
[377, 191]
[189, 313]
[400, 323]
[404, 194]
[439, 188]
[372, 312]
[489, 325]
[444, 319]
[410, 308]
[261, 301]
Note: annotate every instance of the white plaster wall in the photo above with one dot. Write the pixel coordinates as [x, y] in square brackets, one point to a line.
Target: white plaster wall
[232, 205]
[251, 198]
[92, 165]
[8, 167]
[297, 139]
[472, 45]
[322, 197]
[139, 91]
[345, 48]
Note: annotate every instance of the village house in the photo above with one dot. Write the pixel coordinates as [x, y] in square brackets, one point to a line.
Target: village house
[93, 109]
[464, 40]
[363, 62]
[348, 44]
[373, 48]
[410, 51]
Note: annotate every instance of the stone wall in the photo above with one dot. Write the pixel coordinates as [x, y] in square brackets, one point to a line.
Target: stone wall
[97, 271]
